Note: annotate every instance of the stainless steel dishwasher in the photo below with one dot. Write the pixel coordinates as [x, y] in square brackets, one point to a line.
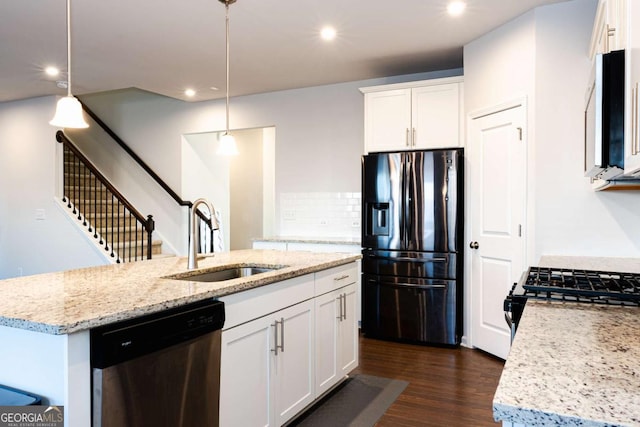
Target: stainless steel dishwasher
[161, 369]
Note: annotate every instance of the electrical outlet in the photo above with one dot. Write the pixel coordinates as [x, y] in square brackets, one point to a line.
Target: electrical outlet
[289, 215]
[41, 215]
[324, 222]
[355, 223]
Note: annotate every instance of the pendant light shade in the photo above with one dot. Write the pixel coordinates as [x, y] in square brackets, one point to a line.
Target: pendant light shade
[228, 146]
[69, 114]
[69, 110]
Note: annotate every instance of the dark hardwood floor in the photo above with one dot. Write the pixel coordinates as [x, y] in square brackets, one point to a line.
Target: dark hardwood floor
[447, 387]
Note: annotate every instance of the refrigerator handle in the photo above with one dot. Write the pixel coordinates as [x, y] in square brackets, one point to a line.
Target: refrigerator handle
[409, 259]
[402, 199]
[408, 217]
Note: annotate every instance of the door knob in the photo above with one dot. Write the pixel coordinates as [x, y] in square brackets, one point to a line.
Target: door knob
[474, 245]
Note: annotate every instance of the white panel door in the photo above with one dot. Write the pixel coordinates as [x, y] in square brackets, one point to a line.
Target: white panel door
[245, 374]
[327, 313]
[294, 365]
[497, 160]
[348, 329]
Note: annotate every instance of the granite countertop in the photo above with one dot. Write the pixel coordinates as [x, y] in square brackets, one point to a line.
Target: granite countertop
[75, 300]
[314, 239]
[574, 364]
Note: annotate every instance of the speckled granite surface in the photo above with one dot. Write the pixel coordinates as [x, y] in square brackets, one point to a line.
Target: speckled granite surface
[70, 301]
[627, 265]
[572, 365]
[321, 240]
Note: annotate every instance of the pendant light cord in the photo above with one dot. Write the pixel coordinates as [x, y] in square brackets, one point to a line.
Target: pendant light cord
[68, 47]
[227, 60]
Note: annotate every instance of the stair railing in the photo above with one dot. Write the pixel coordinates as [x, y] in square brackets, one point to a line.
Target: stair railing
[206, 236]
[103, 209]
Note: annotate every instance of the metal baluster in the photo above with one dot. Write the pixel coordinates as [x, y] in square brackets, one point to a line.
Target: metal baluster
[65, 176]
[150, 227]
[103, 200]
[118, 234]
[110, 207]
[84, 196]
[72, 191]
[126, 228]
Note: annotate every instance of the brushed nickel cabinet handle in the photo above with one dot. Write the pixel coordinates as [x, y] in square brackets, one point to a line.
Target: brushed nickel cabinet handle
[635, 146]
[337, 279]
[282, 334]
[413, 137]
[407, 138]
[275, 338]
[344, 301]
[339, 308]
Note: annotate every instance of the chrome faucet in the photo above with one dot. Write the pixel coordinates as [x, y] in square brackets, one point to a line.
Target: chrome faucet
[192, 262]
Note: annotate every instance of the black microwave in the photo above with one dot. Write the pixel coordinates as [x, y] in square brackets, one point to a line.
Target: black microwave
[604, 117]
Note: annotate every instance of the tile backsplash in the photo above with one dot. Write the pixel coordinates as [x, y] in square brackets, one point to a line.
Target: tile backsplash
[320, 214]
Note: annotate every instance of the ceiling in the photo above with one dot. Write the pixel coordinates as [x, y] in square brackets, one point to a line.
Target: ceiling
[167, 46]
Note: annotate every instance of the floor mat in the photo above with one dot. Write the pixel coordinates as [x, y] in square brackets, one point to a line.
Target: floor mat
[359, 402]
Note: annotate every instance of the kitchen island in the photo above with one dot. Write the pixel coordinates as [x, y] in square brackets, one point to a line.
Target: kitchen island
[45, 319]
[573, 364]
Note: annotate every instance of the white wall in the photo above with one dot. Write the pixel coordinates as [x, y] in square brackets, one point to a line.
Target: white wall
[319, 130]
[543, 56]
[28, 183]
[570, 217]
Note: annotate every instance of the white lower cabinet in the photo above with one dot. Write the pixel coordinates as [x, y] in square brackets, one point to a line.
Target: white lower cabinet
[336, 336]
[267, 368]
[285, 344]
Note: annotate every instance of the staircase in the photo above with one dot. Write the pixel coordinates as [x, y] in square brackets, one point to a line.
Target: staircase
[118, 228]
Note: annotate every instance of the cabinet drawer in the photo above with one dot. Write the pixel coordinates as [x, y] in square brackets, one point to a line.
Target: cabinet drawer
[245, 306]
[337, 277]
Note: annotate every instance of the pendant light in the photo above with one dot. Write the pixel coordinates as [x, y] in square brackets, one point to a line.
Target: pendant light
[228, 146]
[69, 110]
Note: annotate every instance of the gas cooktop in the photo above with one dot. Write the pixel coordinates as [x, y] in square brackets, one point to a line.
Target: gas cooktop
[582, 285]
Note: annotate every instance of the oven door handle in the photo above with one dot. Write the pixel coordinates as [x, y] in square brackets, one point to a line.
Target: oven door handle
[508, 319]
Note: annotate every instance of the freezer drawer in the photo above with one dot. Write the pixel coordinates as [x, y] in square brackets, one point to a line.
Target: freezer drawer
[417, 310]
[432, 265]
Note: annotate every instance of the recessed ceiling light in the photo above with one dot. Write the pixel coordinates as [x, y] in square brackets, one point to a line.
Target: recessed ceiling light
[52, 71]
[456, 8]
[328, 33]
[190, 93]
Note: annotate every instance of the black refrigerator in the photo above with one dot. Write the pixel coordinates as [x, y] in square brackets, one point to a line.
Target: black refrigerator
[412, 259]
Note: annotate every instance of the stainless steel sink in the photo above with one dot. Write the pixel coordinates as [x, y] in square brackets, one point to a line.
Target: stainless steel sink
[226, 274]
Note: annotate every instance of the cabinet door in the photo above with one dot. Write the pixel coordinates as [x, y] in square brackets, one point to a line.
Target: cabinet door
[632, 103]
[245, 374]
[294, 363]
[435, 112]
[387, 120]
[327, 313]
[348, 331]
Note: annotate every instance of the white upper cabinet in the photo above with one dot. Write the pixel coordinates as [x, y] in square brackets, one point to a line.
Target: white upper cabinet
[413, 116]
[609, 27]
[632, 102]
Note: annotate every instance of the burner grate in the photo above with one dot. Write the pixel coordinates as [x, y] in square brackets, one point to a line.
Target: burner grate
[583, 285]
